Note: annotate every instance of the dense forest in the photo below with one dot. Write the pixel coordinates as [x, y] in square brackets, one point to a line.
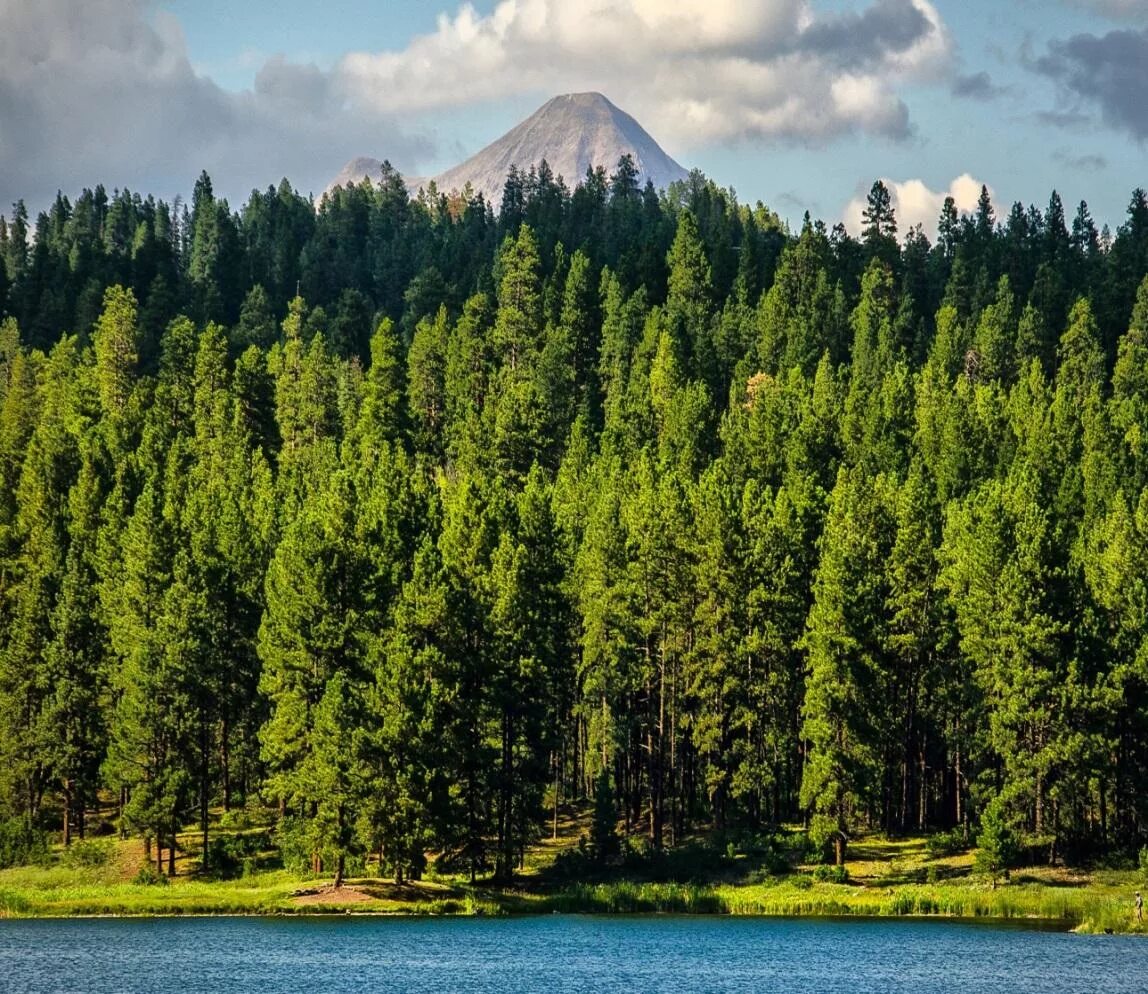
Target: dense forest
[412, 520]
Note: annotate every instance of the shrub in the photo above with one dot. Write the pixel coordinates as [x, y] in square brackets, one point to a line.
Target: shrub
[946, 844]
[236, 819]
[88, 853]
[802, 882]
[570, 864]
[997, 844]
[21, 844]
[232, 855]
[294, 845]
[149, 876]
[831, 874]
[604, 841]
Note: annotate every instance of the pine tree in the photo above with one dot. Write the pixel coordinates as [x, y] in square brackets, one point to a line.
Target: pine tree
[844, 638]
[426, 383]
[116, 339]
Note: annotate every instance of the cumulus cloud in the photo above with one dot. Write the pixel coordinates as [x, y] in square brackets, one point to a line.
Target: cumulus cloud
[693, 71]
[914, 203]
[103, 91]
[1109, 72]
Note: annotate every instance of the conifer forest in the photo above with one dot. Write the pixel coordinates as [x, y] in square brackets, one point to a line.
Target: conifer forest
[409, 519]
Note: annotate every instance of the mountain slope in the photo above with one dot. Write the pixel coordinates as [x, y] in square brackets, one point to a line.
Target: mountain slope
[571, 132]
[359, 168]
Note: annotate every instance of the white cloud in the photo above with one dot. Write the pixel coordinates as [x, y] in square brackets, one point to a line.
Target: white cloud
[914, 203]
[693, 71]
[103, 91]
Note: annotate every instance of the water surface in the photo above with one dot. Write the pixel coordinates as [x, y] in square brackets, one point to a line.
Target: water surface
[559, 954]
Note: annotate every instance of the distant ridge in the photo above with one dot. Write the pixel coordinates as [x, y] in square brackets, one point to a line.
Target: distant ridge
[571, 132]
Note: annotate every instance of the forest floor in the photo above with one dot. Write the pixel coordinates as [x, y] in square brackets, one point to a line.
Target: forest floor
[884, 877]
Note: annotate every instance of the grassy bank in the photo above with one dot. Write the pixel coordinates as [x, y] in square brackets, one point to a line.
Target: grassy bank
[1089, 908]
[885, 879]
[34, 892]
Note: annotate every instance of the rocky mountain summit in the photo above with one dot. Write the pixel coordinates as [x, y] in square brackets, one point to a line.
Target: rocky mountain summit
[571, 132]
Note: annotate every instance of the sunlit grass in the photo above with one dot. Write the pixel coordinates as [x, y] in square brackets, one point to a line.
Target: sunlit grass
[1089, 908]
[886, 878]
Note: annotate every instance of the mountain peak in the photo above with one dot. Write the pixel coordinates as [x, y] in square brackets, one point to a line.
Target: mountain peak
[572, 132]
[588, 99]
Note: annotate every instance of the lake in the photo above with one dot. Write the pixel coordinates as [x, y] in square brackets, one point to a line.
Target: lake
[560, 954]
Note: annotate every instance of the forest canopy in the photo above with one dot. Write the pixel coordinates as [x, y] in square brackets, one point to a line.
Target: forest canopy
[402, 517]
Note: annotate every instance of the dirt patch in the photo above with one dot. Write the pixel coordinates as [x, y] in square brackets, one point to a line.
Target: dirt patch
[347, 894]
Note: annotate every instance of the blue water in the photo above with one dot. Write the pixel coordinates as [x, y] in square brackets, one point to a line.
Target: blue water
[559, 954]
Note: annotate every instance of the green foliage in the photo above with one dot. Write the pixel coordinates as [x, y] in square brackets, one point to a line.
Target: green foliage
[604, 840]
[997, 847]
[231, 856]
[88, 853]
[292, 839]
[21, 844]
[830, 874]
[941, 844]
[149, 876]
[421, 518]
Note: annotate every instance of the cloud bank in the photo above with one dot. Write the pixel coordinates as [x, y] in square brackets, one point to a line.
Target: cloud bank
[103, 91]
[693, 71]
[914, 203]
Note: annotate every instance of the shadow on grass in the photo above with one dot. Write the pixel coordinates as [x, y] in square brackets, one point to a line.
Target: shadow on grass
[1050, 880]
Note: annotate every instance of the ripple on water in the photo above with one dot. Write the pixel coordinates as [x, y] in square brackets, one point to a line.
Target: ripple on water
[559, 953]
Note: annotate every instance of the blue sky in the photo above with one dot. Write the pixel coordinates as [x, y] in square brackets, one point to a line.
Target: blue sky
[797, 103]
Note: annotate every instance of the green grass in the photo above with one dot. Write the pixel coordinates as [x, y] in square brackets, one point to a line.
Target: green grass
[886, 878]
[60, 892]
[1089, 908]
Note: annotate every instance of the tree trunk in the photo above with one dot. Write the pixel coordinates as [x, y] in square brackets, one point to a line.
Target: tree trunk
[961, 820]
[204, 774]
[1103, 811]
[67, 817]
[1038, 828]
[505, 860]
[921, 787]
[557, 788]
[341, 862]
[225, 763]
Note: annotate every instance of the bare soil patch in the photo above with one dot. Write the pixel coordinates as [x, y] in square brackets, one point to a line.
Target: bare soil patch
[328, 895]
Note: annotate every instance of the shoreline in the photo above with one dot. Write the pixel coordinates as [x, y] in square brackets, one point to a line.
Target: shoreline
[1053, 924]
[1087, 911]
